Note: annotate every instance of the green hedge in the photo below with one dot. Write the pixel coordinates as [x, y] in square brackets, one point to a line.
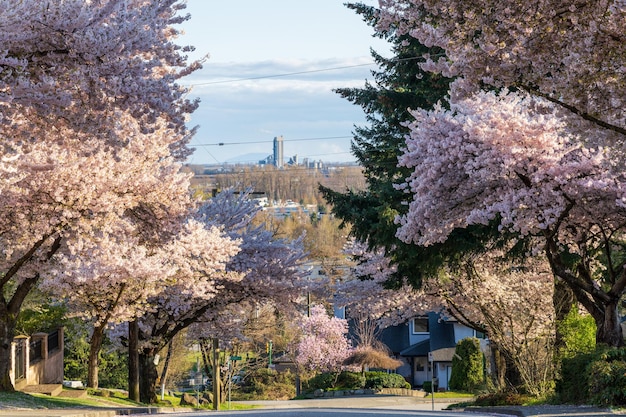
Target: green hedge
[597, 378]
[379, 380]
[325, 381]
[355, 380]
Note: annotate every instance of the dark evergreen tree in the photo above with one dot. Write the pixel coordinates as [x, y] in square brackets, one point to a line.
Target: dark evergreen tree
[400, 84]
[468, 370]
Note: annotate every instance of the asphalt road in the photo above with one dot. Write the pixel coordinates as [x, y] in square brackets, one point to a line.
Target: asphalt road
[334, 412]
[340, 407]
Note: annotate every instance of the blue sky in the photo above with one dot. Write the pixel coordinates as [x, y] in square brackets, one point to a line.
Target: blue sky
[245, 99]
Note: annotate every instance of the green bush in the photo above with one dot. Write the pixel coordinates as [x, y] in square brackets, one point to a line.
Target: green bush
[267, 384]
[355, 380]
[597, 378]
[501, 398]
[607, 378]
[379, 380]
[467, 366]
[325, 381]
[427, 386]
[351, 380]
[573, 384]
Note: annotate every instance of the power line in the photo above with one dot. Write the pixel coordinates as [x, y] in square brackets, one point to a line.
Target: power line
[283, 75]
[255, 161]
[269, 141]
[261, 77]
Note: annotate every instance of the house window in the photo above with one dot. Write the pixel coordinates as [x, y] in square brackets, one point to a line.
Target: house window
[420, 325]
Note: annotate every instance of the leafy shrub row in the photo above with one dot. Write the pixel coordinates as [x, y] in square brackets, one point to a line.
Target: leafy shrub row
[355, 380]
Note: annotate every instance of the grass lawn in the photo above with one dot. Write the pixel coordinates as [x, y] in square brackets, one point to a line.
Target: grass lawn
[115, 399]
[451, 394]
[22, 400]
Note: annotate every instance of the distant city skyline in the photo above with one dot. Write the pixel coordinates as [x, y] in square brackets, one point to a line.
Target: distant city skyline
[275, 151]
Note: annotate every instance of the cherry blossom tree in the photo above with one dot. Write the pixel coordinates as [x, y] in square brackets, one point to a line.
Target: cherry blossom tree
[324, 344]
[570, 54]
[509, 157]
[117, 273]
[543, 157]
[119, 276]
[57, 198]
[510, 301]
[70, 63]
[366, 296]
[264, 270]
[92, 126]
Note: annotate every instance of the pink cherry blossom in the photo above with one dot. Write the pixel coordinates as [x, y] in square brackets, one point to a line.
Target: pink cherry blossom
[324, 345]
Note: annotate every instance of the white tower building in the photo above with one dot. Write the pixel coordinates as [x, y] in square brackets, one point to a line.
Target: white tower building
[279, 156]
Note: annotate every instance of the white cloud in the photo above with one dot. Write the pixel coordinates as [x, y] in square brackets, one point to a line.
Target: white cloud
[272, 71]
[245, 114]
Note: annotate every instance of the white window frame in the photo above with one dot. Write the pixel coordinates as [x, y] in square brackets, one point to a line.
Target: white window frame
[413, 327]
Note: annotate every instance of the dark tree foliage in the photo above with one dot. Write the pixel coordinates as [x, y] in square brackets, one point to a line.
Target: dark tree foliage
[399, 85]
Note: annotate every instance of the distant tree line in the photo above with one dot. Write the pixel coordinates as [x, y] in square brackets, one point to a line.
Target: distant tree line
[291, 183]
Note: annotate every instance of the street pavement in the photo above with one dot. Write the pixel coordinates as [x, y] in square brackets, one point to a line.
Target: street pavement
[388, 402]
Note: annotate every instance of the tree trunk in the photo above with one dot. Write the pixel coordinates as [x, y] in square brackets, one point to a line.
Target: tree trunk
[216, 375]
[133, 360]
[609, 330]
[499, 368]
[95, 344]
[147, 376]
[7, 332]
[166, 366]
[563, 300]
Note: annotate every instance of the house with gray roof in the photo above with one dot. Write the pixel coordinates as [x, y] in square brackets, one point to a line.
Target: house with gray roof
[426, 345]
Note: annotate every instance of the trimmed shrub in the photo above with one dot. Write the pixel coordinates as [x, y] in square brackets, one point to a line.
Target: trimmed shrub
[325, 381]
[379, 380]
[467, 366]
[267, 384]
[427, 386]
[351, 380]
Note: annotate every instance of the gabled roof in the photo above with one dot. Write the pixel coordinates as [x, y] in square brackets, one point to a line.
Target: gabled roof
[441, 332]
[396, 338]
[419, 349]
